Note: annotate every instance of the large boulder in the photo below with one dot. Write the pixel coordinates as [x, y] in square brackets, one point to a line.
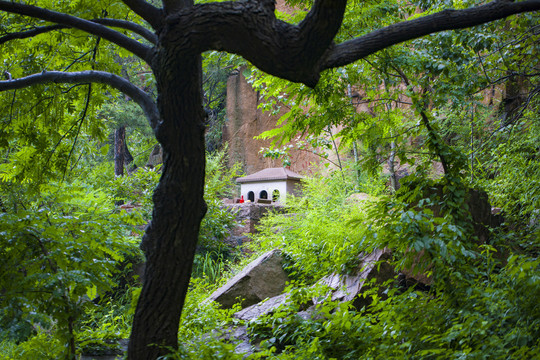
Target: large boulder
[262, 278]
[372, 266]
[264, 307]
[343, 287]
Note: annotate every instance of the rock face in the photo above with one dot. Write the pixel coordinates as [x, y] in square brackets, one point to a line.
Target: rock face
[264, 307]
[343, 287]
[263, 278]
[372, 266]
[246, 120]
[156, 157]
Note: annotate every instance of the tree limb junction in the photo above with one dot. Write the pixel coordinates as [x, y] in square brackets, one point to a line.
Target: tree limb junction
[145, 10]
[250, 29]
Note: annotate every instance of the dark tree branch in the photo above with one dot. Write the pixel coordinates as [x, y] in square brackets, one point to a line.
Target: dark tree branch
[128, 25]
[356, 49]
[101, 77]
[138, 49]
[250, 29]
[320, 26]
[30, 33]
[171, 6]
[146, 11]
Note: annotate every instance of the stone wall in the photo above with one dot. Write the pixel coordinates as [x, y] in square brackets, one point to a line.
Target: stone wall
[248, 216]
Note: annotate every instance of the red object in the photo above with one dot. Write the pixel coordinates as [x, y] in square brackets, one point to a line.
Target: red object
[242, 199]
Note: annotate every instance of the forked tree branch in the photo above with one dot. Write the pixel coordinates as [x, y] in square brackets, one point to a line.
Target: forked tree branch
[352, 50]
[146, 11]
[299, 53]
[138, 49]
[140, 97]
[250, 29]
[128, 25]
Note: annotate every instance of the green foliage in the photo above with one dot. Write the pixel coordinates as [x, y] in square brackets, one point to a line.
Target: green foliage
[136, 189]
[513, 164]
[495, 318]
[217, 67]
[202, 324]
[103, 325]
[209, 265]
[41, 346]
[60, 250]
[316, 234]
[219, 183]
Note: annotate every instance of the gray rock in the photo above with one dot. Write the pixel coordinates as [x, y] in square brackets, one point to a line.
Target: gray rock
[262, 278]
[264, 307]
[343, 287]
[123, 343]
[372, 266]
[156, 156]
[239, 337]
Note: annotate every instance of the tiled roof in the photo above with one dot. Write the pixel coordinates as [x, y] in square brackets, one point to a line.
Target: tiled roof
[270, 174]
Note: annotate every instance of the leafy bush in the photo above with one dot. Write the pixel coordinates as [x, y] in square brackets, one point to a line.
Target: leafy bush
[60, 251]
[495, 318]
[219, 183]
[43, 345]
[316, 234]
[103, 325]
[209, 265]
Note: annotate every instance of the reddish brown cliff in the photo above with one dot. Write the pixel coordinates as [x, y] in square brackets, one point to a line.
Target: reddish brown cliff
[245, 121]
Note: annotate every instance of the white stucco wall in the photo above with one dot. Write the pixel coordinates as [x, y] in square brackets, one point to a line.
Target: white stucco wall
[268, 186]
[294, 187]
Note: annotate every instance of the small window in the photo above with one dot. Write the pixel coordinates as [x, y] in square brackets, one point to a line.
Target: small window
[275, 195]
[251, 196]
[263, 195]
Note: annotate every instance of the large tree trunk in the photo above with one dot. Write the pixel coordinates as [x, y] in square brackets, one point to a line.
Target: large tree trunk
[171, 238]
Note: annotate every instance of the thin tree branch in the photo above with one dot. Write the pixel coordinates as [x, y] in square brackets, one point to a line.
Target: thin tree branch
[30, 33]
[128, 25]
[145, 10]
[138, 49]
[101, 77]
[352, 50]
[81, 121]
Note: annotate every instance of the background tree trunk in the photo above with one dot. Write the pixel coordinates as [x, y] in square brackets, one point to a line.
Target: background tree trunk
[119, 153]
[171, 238]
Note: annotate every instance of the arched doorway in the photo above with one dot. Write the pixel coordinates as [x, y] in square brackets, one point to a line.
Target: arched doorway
[275, 195]
[263, 195]
[251, 196]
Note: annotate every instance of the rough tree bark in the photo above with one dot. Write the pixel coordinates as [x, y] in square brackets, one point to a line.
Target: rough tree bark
[170, 240]
[182, 31]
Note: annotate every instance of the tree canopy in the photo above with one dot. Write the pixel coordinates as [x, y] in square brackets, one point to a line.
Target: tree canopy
[61, 59]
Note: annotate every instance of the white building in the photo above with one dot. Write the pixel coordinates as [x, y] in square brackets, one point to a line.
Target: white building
[272, 184]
